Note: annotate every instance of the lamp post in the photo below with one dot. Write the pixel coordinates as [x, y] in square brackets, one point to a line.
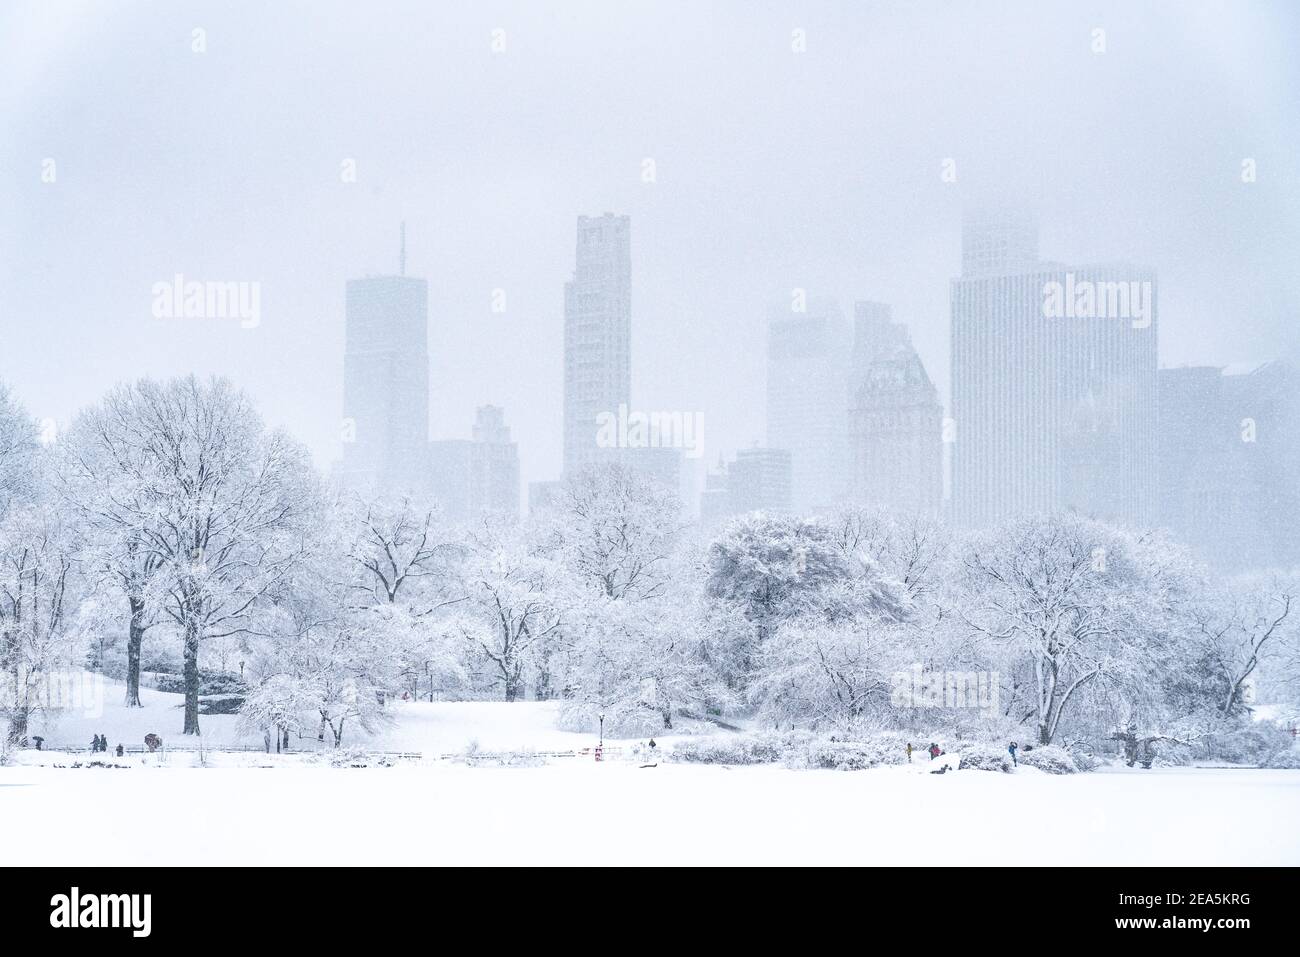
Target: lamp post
[602, 730]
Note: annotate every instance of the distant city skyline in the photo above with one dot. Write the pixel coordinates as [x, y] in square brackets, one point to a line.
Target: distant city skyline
[772, 170]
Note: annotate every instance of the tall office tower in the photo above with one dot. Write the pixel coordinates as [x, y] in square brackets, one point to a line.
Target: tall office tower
[597, 336]
[480, 476]
[896, 419]
[386, 382]
[1053, 384]
[808, 363]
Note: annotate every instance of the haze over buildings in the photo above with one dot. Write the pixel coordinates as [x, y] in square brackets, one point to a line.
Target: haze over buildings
[1051, 411]
[772, 170]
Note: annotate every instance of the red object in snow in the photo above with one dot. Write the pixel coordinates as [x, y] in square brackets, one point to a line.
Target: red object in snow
[599, 753]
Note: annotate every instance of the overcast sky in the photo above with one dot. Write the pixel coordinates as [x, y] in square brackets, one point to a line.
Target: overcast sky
[775, 169]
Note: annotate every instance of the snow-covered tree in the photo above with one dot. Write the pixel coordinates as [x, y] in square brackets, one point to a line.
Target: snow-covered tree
[818, 673]
[615, 531]
[512, 609]
[38, 548]
[396, 548]
[771, 569]
[224, 505]
[1063, 596]
[18, 449]
[1239, 625]
[631, 640]
[110, 477]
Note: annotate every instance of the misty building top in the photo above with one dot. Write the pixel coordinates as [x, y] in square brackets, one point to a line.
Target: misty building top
[603, 239]
[490, 425]
[996, 242]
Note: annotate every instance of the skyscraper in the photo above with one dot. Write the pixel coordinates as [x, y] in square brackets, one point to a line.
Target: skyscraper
[1053, 382]
[896, 420]
[597, 336]
[808, 400]
[386, 382]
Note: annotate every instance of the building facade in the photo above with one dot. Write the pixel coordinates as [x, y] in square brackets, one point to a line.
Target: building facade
[479, 476]
[808, 361]
[1054, 389]
[757, 480]
[896, 419]
[386, 384]
[597, 336]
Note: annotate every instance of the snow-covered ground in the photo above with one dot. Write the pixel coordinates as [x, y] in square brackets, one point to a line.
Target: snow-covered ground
[580, 812]
[166, 810]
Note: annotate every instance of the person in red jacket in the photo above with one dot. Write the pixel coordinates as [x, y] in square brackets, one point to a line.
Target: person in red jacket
[935, 751]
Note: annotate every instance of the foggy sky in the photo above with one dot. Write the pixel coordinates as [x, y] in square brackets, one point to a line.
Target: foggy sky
[776, 170]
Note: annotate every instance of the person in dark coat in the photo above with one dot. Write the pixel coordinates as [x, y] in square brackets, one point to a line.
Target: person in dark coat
[120, 751]
[94, 744]
[1011, 749]
[935, 751]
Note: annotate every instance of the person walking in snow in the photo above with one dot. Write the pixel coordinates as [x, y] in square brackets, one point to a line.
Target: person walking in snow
[1011, 749]
[120, 751]
[935, 751]
[909, 752]
[94, 744]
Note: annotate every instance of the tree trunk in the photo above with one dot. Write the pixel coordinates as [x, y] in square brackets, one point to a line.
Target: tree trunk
[18, 726]
[133, 642]
[191, 678]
